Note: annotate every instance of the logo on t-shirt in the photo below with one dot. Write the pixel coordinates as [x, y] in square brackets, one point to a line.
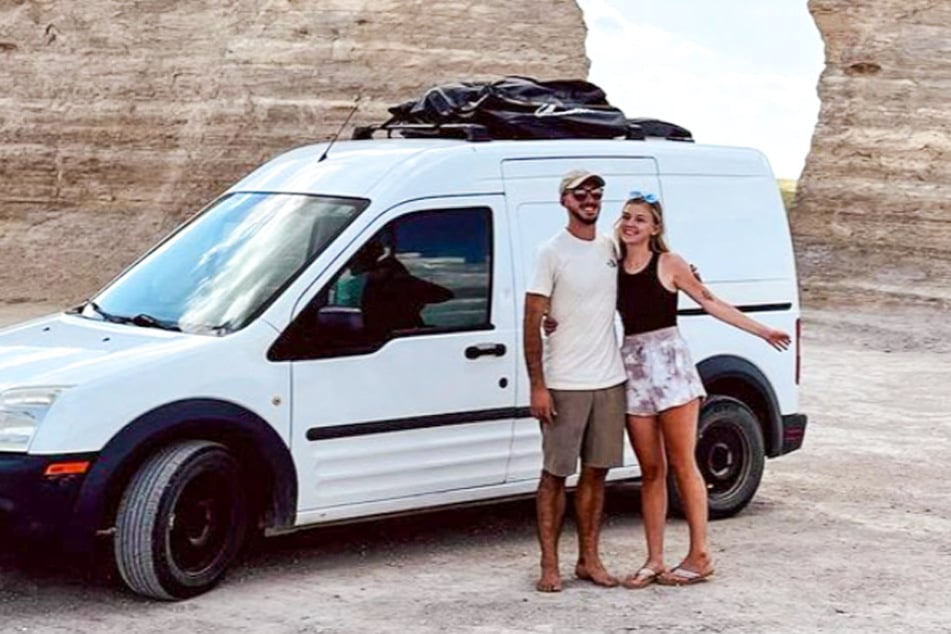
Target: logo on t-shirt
[612, 264]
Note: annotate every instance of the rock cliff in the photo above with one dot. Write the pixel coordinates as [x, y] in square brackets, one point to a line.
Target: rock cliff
[119, 118]
[873, 211]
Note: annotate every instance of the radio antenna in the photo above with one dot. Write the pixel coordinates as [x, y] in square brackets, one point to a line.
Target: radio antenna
[356, 104]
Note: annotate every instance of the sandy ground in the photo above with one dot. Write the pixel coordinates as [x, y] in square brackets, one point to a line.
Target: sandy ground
[849, 534]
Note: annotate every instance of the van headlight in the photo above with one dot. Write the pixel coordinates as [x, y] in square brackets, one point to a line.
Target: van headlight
[21, 410]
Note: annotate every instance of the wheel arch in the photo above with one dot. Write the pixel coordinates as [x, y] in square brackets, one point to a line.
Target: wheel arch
[736, 377]
[254, 441]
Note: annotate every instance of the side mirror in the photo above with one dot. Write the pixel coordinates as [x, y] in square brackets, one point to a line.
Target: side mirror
[333, 331]
[340, 321]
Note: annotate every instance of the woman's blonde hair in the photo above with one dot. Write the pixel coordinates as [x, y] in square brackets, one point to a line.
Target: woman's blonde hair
[657, 244]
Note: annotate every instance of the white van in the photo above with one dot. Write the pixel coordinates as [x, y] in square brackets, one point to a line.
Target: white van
[338, 337]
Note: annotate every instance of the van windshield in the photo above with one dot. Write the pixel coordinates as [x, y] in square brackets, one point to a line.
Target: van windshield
[219, 271]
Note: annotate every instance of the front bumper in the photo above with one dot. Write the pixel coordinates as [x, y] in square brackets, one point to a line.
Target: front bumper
[32, 504]
[794, 430]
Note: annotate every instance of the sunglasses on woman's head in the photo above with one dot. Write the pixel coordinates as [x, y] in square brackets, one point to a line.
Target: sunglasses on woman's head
[647, 198]
[581, 194]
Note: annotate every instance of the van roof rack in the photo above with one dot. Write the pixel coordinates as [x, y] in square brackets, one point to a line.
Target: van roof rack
[468, 131]
[637, 130]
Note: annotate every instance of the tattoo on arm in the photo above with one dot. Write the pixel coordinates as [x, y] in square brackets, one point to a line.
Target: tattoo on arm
[707, 295]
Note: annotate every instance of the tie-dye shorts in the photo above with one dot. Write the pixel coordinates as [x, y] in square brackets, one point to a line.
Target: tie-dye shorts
[660, 372]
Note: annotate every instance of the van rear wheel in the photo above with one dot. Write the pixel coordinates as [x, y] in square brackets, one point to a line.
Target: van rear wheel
[730, 454]
[181, 521]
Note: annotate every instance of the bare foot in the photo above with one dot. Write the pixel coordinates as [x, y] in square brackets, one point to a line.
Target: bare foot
[596, 574]
[550, 581]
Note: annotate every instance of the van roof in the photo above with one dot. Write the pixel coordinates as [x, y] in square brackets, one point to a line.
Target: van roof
[410, 168]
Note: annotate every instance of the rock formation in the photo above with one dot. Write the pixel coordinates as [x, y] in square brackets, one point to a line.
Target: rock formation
[119, 119]
[873, 212]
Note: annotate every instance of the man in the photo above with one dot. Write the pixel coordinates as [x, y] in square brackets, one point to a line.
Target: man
[577, 394]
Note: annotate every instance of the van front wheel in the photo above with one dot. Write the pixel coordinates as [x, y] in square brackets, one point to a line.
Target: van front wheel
[181, 521]
[730, 454]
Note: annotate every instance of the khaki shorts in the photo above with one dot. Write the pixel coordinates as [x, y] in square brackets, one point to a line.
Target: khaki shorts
[589, 425]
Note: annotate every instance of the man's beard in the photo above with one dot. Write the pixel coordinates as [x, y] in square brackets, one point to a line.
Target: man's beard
[584, 220]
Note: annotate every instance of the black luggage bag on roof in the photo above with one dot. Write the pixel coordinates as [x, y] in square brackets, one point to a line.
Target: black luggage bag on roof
[517, 108]
[661, 129]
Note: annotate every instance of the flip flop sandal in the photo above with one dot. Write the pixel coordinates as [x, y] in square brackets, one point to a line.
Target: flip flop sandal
[682, 577]
[641, 579]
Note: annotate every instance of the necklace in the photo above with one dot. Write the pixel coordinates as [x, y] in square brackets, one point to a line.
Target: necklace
[640, 266]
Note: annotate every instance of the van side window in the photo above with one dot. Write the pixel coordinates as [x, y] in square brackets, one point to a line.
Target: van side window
[427, 272]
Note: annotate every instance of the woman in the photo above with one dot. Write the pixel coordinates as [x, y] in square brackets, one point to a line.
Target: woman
[664, 389]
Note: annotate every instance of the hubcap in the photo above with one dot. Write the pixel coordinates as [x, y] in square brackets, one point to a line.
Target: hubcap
[720, 460]
[198, 531]
[723, 454]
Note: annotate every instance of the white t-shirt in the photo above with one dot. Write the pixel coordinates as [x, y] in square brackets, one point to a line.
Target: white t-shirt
[580, 279]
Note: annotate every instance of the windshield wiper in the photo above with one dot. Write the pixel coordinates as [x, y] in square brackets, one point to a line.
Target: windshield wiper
[142, 319]
[148, 321]
[99, 311]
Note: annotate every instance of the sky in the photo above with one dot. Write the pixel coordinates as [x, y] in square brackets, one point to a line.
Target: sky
[733, 72]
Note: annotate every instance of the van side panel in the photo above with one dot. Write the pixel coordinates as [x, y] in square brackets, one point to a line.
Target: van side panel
[733, 227]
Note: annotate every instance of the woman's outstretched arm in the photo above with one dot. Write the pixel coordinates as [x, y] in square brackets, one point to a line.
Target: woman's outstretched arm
[684, 279]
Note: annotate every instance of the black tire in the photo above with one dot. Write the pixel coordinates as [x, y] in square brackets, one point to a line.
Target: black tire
[730, 454]
[181, 521]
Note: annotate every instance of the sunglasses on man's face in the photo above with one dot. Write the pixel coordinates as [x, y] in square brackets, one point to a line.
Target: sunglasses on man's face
[581, 194]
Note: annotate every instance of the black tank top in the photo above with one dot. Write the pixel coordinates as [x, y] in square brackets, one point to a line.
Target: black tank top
[643, 301]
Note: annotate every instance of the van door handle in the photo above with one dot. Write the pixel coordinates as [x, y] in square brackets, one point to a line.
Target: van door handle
[482, 349]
